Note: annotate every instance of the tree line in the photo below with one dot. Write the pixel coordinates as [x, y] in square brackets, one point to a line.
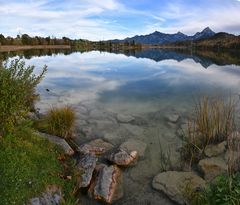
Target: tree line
[25, 39]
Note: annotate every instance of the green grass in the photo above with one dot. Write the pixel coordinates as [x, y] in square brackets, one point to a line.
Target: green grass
[58, 121]
[28, 164]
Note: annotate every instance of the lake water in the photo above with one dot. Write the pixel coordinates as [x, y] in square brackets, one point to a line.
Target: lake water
[148, 85]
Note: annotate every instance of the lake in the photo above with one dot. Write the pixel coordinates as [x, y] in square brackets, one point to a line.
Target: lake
[150, 87]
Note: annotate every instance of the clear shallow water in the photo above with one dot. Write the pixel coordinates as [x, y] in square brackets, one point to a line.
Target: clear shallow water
[100, 85]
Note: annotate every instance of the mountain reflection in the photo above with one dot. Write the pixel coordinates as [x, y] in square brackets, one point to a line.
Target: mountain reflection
[204, 57]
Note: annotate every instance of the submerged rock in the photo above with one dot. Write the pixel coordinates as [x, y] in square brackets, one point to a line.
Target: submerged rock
[58, 141]
[172, 117]
[212, 167]
[86, 166]
[122, 157]
[125, 118]
[96, 147]
[53, 196]
[107, 184]
[174, 184]
[133, 144]
[215, 150]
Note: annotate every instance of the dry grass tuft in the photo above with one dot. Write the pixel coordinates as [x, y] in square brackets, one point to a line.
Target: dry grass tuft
[212, 123]
[60, 121]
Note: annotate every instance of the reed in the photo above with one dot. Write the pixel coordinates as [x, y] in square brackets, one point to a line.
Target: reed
[212, 123]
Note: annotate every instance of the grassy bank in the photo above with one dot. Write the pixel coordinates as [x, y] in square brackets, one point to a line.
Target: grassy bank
[28, 164]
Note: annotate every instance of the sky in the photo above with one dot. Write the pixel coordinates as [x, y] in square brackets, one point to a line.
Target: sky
[111, 19]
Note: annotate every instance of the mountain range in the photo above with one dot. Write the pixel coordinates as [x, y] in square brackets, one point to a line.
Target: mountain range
[158, 38]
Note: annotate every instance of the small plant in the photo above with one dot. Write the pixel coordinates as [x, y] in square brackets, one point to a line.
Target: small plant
[213, 122]
[225, 190]
[60, 121]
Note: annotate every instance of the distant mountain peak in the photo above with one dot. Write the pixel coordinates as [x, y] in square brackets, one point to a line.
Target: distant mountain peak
[207, 29]
[205, 33]
[159, 38]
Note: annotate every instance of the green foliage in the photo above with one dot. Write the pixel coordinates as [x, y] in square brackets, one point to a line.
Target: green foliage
[224, 191]
[28, 164]
[213, 122]
[58, 121]
[17, 92]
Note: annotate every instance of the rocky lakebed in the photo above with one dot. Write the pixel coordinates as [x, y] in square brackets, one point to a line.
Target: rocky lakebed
[122, 157]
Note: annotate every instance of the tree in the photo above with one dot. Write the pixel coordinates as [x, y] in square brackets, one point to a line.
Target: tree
[2, 40]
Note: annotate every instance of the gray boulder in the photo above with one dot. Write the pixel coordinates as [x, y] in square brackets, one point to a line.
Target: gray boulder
[212, 167]
[107, 185]
[52, 196]
[124, 118]
[172, 117]
[86, 166]
[122, 157]
[58, 141]
[215, 150]
[96, 147]
[174, 184]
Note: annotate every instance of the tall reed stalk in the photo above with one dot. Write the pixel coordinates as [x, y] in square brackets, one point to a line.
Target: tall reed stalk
[212, 122]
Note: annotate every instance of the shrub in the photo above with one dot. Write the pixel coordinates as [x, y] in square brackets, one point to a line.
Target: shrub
[17, 92]
[59, 121]
[213, 122]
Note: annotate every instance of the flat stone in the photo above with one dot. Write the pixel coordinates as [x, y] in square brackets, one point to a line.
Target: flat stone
[53, 196]
[212, 167]
[132, 144]
[122, 157]
[96, 147]
[82, 110]
[86, 166]
[172, 117]
[134, 129]
[96, 114]
[81, 122]
[101, 124]
[58, 141]
[110, 136]
[215, 150]
[174, 184]
[124, 118]
[107, 185]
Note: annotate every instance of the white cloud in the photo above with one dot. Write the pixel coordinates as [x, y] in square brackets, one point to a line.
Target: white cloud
[109, 19]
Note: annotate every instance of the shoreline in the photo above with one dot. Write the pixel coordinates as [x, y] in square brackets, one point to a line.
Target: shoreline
[27, 47]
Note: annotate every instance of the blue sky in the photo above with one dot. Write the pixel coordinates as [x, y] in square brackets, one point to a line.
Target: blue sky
[110, 19]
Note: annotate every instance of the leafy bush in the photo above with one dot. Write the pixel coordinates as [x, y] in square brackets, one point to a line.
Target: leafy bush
[213, 122]
[224, 191]
[17, 92]
[58, 121]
